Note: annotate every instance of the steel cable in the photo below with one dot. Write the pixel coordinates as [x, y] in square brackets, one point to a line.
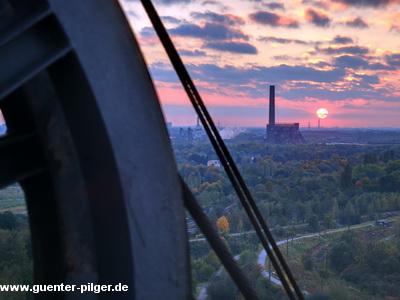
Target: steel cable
[233, 173]
[216, 243]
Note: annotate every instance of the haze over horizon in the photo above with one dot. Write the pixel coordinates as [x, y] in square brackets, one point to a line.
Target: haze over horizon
[342, 55]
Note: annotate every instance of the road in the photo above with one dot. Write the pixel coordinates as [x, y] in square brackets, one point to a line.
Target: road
[263, 254]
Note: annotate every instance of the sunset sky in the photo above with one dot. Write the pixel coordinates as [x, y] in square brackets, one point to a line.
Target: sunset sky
[341, 55]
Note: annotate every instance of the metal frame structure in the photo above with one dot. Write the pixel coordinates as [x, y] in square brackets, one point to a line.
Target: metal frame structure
[84, 136]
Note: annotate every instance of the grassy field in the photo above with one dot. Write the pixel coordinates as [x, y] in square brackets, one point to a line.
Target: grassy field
[12, 198]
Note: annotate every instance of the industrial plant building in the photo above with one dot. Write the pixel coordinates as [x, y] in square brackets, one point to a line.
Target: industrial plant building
[281, 133]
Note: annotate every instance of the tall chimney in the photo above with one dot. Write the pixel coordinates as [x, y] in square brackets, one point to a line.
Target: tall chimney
[271, 105]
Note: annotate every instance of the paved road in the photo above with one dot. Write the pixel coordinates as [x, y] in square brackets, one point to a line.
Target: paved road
[203, 293]
[263, 254]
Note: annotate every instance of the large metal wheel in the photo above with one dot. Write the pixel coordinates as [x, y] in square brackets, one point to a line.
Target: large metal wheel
[87, 142]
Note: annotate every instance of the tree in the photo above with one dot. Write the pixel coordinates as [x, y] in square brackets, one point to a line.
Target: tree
[346, 177]
[313, 223]
[222, 224]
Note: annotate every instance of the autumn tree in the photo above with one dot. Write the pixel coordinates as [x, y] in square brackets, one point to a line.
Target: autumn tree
[222, 224]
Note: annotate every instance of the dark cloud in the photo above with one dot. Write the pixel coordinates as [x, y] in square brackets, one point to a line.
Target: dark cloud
[347, 61]
[171, 20]
[393, 59]
[357, 23]
[344, 50]
[317, 18]
[256, 74]
[272, 39]
[273, 19]
[209, 31]
[341, 39]
[220, 18]
[369, 79]
[380, 66]
[366, 3]
[300, 81]
[147, 32]
[353, 62]
[191, 52]
[274, 5]
[233, 47]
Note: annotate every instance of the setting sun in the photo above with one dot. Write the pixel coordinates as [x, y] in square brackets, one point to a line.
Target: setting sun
[322, 113]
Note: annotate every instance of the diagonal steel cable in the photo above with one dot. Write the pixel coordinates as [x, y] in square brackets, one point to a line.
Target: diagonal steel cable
[216, 243]
[233, 173]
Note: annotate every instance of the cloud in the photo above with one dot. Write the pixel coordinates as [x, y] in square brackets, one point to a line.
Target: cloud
[335, 50]
[171, 2]
[274, 5]
[393, 59]
[132, 13]
[147, 32]
[356, 23]
[367, 3]
[171, 20]
[285, 57]
[233, 47]
[220, 18]
[317, 18]
[163, 72]
[353, 62]
[273, 19]
[259, 74]
[196, 52]
[369, 79]
[341, 39]
[297, 82]
[348, 61]
[209, 31]
[314, 3]
[395, 28]
[272, 39]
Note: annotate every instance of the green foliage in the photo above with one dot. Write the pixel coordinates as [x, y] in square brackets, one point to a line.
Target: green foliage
[222, 289]
[247, 256]
[346, 177]
[313, 224]
[308, 262]
[372, 265]
[320, 296]
[8, 220]
[369, 171]
[199, 249]
[15, 260]
[312, 185]
[203, 270]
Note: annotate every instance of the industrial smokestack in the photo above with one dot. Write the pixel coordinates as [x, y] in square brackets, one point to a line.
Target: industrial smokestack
[272, 106]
